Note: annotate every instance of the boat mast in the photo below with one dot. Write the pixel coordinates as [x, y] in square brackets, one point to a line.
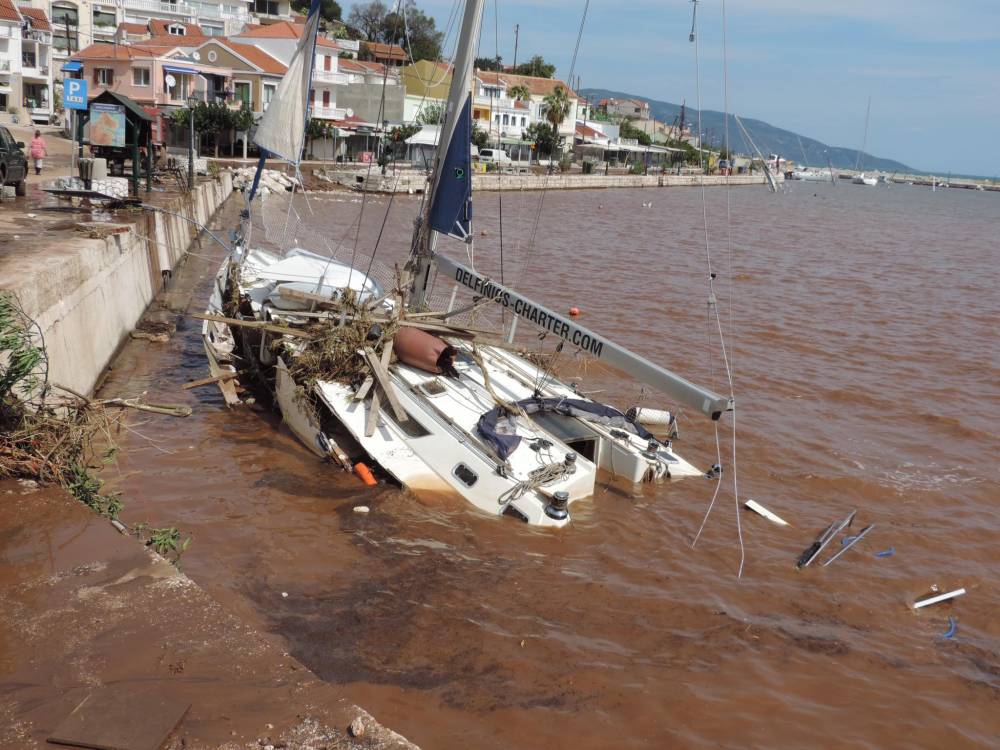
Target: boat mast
[864, 141]
[424, 237]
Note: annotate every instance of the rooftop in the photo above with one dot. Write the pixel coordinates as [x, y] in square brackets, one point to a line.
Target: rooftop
[255, 55]
[38, 18]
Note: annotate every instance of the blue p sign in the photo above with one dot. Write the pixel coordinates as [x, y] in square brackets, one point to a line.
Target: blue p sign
[74, 93]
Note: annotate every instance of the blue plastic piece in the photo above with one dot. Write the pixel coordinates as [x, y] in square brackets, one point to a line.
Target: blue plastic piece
[886, 552]
[952, 627]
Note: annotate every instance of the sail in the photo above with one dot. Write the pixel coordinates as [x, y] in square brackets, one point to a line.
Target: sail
[451, 211]
[281, 130]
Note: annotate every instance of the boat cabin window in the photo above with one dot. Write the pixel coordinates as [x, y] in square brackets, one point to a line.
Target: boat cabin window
[465, 475]
[411, 427]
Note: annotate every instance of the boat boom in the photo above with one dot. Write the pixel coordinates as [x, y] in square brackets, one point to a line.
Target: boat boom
[683, 391]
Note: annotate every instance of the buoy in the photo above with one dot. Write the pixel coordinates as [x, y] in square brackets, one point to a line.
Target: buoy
[574, 311]
[365, 473]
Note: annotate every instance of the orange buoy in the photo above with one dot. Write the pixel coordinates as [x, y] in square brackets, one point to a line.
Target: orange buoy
[574, 311]
[365, 473]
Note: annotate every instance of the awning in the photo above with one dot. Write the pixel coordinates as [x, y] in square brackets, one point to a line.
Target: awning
[183, 71]
[72, 66]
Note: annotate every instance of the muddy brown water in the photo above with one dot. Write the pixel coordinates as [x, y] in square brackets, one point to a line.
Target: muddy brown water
[867, 369]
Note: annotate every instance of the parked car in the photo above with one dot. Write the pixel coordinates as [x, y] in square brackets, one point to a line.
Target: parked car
[494, 156]
[13, 162]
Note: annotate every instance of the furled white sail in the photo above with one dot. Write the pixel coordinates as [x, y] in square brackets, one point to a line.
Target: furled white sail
[281, 130]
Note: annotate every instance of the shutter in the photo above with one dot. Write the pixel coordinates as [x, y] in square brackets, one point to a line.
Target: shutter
[96, 77]
[111, 77]
[326, 98]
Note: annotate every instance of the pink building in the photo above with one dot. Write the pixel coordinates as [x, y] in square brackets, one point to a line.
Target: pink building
[153, 75]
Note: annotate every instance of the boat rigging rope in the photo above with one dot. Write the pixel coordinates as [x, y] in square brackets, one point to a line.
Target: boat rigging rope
[713, 301]
[545, 474]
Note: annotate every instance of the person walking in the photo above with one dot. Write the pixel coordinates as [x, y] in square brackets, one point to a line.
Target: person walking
[38, 151]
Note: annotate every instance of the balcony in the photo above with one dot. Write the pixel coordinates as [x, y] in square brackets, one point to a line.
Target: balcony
[329, 76]
[186, 10]
[328, 113]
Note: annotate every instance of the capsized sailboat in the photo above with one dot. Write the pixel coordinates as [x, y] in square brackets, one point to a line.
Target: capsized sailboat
[368, 365]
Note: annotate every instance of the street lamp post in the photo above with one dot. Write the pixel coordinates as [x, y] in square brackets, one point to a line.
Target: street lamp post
[191, 102]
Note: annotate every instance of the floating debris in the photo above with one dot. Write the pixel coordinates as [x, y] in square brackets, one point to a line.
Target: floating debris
[938, 598]
[760, 509]
[848, 544]
[952, 627]
[813, 550]
[886, 552]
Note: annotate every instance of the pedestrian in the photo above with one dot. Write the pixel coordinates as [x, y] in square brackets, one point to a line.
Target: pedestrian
[38, 151]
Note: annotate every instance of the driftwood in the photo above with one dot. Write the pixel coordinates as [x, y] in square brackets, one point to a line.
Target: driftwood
[382, 376]
[212, 380]
[258, 324]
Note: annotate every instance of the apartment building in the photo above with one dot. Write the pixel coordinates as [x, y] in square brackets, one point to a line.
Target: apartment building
[25, 63]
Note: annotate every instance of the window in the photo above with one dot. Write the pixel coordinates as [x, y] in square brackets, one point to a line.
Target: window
[65, 20]
[242, 91]
[213, 31]
[524, 122]
[212, 55]
[266, 7]
[269, 89]
[506, 120]
[326, 99]
[105, 18]
[327, 62]
[140, 76]
[104, 77]
[176, 29]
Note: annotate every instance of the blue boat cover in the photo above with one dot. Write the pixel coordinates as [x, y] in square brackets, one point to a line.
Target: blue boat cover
[451, 212]
[495, 430]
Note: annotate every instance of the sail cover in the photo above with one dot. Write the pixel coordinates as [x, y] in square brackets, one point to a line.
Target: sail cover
[451, 212]
[281, 130]
[494, 427]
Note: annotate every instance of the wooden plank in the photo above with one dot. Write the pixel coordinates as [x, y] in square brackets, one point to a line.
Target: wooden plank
[366, 386]
[259, 324]
[382, 376]
[373, 408]
[209, 380]
[226, 386]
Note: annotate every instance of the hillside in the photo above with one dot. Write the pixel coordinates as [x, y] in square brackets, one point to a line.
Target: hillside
[769, 139]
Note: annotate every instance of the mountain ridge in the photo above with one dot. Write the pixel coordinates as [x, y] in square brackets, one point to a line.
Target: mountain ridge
[769, 138]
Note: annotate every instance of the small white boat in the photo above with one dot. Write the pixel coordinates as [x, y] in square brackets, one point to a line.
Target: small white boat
[863, 179]
[812, 175]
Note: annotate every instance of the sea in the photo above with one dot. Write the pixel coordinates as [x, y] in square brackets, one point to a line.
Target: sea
[860, 327]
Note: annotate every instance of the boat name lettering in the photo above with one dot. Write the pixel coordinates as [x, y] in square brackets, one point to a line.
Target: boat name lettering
[525, 309]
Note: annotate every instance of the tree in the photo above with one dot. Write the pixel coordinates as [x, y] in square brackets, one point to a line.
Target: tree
[410, 27]
[537, 67]
[543, 135]
[489, 63]
[242, 122]
[367, 18]
[329, 10]
[557, 105]
[519, 92]
[423, 40]
[431, 114]
[628, 130]
[480, 137]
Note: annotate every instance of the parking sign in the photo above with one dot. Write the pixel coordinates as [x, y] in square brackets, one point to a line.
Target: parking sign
[74, 93]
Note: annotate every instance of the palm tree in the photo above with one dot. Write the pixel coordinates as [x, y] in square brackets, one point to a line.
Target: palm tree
[519, 92]
[556, 110]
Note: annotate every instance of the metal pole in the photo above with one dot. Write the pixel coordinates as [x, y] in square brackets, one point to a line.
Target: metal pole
[191, 148]
[517, 31]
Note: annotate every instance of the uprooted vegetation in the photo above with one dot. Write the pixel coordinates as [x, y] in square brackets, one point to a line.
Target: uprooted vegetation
[46, 435]
[54, 435]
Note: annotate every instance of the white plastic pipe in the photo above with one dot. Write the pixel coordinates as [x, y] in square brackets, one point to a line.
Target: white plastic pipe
[938, 598]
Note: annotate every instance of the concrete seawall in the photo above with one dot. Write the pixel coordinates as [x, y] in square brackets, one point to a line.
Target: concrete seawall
[87, 289]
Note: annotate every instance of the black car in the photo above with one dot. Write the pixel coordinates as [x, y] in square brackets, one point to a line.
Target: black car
[13, 162]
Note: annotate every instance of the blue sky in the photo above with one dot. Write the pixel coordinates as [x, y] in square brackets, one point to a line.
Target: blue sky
[931, 67]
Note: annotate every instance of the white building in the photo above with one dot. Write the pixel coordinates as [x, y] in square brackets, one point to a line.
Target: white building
[25, 63]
